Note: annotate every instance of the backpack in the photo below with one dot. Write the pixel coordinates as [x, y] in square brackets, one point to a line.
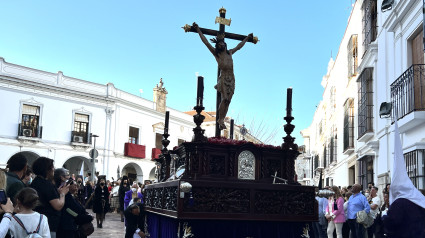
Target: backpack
[33, 234]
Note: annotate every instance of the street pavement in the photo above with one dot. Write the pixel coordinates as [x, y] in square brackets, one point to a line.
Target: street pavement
[112, 227]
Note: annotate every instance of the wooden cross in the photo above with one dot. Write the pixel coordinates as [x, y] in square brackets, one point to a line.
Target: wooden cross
[223, 22]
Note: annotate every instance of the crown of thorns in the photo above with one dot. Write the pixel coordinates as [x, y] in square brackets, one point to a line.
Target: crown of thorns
[219, 38]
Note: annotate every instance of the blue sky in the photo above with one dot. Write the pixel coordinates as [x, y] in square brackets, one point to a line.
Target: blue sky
[135, 43]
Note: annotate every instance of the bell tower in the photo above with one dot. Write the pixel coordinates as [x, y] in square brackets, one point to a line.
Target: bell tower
[160, 97]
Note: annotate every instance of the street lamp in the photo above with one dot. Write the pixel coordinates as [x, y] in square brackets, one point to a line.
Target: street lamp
[387, 5]
[243, 131]
[93, 154]
[385, 110]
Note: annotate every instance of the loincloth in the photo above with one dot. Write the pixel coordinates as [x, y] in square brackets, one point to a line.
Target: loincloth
[226, 86]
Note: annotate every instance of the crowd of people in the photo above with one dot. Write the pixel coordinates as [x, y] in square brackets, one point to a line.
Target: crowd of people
[47, 202]
[353, 212]
[51, 202]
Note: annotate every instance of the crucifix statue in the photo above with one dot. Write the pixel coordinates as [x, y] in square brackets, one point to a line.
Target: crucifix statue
[225, 78]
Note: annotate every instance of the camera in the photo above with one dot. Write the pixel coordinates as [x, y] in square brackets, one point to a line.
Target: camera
[3, 197]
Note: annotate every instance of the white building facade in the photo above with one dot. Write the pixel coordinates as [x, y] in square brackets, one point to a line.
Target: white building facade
[380, 59]
[53, 115]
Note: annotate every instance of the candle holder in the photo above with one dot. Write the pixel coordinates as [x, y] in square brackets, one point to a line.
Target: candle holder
[232, 124]
[288, 139]
[198, 118]
[164, 158]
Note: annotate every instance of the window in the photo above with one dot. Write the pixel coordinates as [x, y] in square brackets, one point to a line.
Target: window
[325, 155]
[316, 162]
[226, 133]
[369, 19]
[29, 126]
[81, 128]
[320, 127]
[333, 99]
[366, 170]
[333, 146]
[365, 102]
[418, 77]
[349, 124]
[417, 48]
[415, 167]
[158, 141]
[133, 135]
[352, 56]
[314, 165]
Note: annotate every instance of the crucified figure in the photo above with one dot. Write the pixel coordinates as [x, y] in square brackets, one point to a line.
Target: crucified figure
[226, 80]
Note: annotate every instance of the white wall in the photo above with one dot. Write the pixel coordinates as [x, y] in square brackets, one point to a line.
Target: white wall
[60, 96]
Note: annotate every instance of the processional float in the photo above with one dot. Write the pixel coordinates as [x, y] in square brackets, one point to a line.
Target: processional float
[218, 187]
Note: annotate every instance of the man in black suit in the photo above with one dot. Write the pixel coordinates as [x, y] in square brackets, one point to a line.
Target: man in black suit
[135, 217]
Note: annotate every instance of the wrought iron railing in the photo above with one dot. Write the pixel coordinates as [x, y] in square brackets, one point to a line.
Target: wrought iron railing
[415, 168]
[30, 131]
[80, 137]
[349, 124]
[365, 110]
[408, 92]
[365, 171]
[370, 20]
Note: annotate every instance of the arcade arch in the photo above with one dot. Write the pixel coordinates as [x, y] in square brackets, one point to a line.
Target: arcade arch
[73, 164]
[133, 171]
[31, 156]
[152, 175]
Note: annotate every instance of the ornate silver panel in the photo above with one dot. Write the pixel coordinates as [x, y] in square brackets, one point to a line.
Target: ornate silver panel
[246, 165]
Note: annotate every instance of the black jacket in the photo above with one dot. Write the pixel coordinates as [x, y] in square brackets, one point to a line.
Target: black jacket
[101, 200]
[134, 222]
[404, 219]
[67, 221]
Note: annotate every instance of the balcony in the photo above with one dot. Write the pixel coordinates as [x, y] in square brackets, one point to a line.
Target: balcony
[135, 150]
[80, 137]
[32, 133]
[408, 98]
[155, 153]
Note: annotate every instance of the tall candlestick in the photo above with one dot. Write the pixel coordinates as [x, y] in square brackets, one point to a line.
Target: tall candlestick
[200, 92]
[167, 118]
[289, 102]
[231, 128]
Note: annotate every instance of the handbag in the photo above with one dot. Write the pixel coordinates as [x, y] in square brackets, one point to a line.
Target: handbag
[84, 222]
[364, 218]
[86, 229]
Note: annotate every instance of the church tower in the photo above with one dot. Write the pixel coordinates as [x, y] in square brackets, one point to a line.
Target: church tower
[160, 97]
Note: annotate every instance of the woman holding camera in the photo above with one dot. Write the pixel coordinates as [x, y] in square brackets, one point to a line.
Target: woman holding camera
[68, 226]
[6, 207]
[52, 199]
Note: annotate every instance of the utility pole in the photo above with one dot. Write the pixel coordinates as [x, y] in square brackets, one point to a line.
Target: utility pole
[93, 155]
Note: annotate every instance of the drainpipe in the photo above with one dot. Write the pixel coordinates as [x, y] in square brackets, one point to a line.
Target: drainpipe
[109, 143]
[105, 140]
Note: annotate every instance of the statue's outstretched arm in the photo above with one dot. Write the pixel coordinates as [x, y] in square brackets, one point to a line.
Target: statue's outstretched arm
[209, 46]
[241, 44]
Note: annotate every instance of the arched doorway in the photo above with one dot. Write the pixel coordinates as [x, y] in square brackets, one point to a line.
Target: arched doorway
[152, 175]
[31, 156]
[74, 164]
[133, 171]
